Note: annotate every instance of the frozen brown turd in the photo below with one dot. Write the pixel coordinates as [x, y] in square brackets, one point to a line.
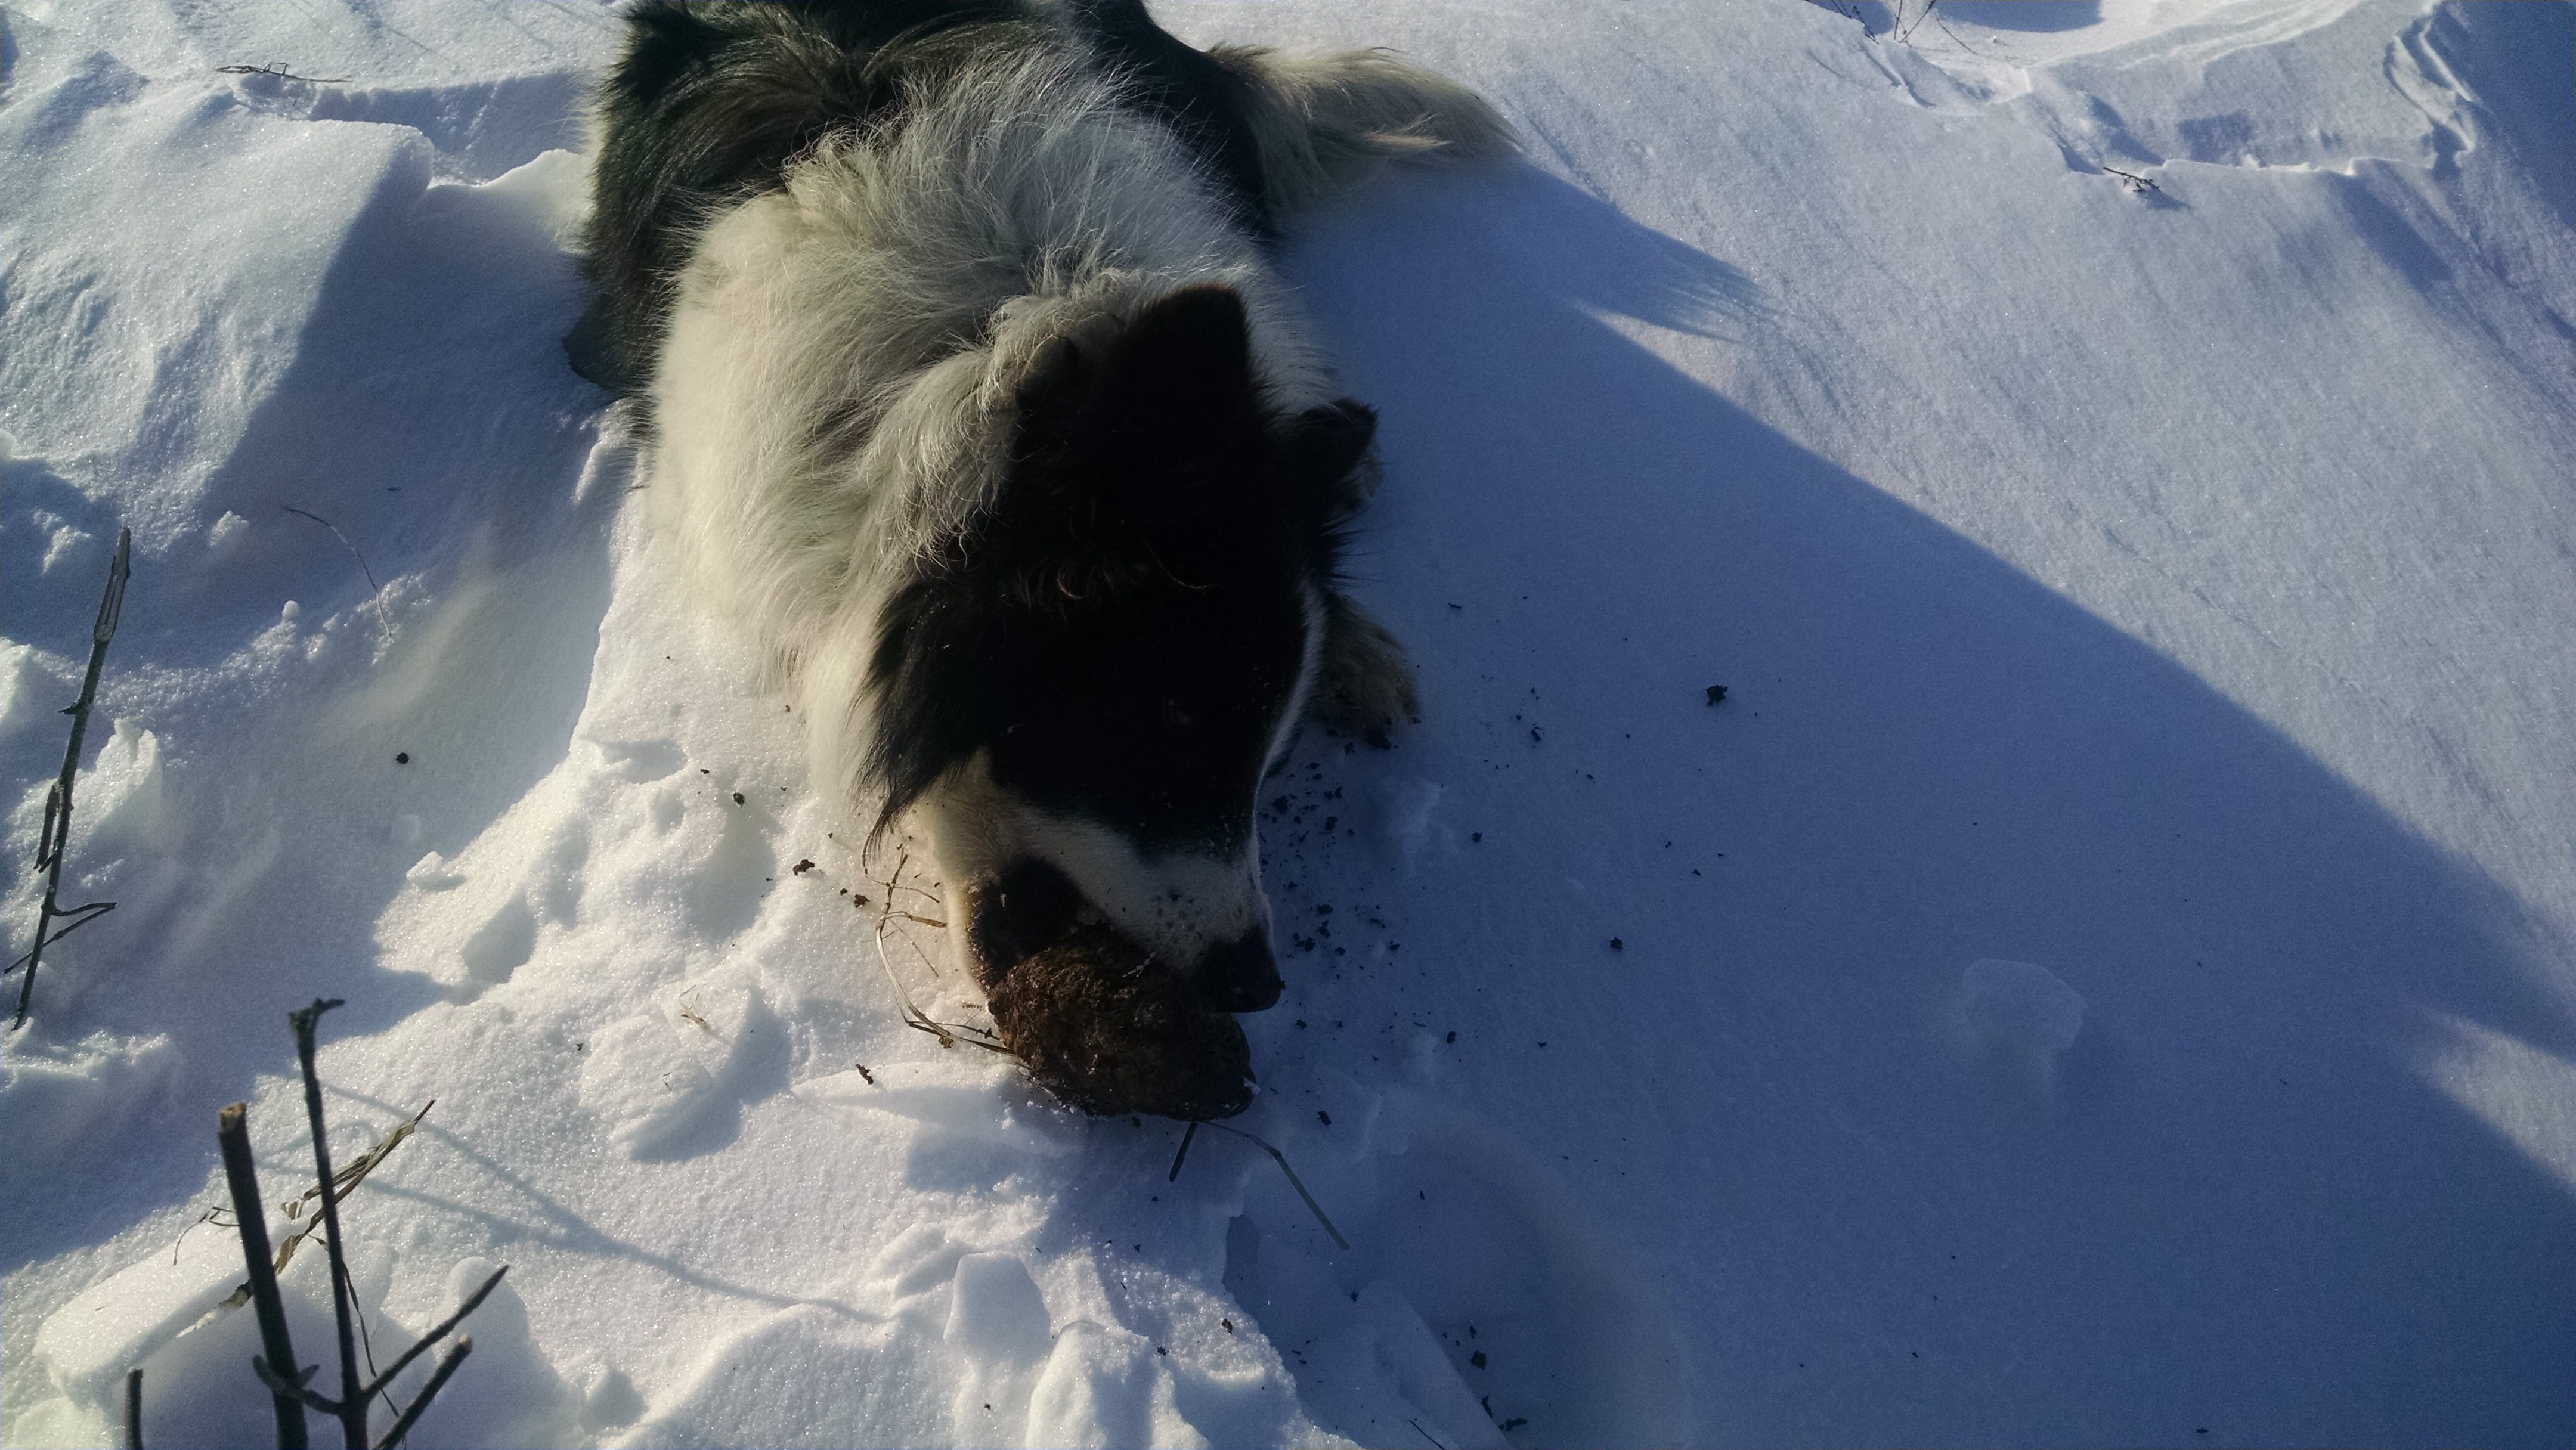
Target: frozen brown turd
[1108, 1035]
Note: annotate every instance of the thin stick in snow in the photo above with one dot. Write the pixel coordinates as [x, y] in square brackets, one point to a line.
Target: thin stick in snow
[447, 1364]
[232, 1134]
[473, 1302]
[278, 69]
[289, 1385]
[353, 1405]
[58, 805]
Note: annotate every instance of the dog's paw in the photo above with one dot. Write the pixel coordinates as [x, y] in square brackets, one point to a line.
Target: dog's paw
[1365, 687]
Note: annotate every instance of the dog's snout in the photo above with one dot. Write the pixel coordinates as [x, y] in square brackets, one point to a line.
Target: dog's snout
[1240, 975]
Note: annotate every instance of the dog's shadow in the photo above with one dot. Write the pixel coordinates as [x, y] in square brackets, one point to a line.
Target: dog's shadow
[1925, 758]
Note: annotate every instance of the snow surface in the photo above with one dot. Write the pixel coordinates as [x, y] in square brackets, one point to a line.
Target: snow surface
[2106, 974]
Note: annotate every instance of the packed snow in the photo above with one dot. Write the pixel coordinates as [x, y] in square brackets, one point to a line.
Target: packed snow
[2105, 972]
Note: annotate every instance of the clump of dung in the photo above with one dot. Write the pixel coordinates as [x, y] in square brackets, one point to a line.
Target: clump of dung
[1106, 1034]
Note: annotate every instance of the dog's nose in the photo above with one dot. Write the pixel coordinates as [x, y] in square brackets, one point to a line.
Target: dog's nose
[1240, 975]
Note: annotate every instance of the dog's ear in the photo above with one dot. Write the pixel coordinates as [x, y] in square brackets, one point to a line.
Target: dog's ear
[1177, 430]
[1174, 387]
[1330, 454]
[1177, 387]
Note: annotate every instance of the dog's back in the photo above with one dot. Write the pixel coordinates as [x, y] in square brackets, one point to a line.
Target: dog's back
[710, 102]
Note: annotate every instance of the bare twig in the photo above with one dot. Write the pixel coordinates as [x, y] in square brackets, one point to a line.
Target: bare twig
[445, 1326]
[367, 1347]
[372, 586]
[1186, 1135]
[2133, 183]
[134, 1409]
[1954, 35]
[289, 1385]
[278, 69]
[353, 1405]
[232, 1134]
[58, 805]
[78, 916]
[886, 913]
[299, 1387]
[447, 1364]
[947, 1032]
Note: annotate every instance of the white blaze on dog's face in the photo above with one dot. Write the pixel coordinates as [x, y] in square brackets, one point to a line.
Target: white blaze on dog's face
[1183, 884]
[1082, 692]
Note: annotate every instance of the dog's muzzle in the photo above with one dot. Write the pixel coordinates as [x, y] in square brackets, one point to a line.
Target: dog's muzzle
[1027, 906]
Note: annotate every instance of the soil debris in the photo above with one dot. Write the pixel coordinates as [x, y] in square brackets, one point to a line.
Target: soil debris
[1107, 1034]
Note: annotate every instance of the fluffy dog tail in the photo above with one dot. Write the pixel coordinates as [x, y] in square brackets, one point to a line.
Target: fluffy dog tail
[1326, 124]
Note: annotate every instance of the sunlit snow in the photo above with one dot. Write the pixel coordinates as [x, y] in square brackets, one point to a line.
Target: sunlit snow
[2104, 974]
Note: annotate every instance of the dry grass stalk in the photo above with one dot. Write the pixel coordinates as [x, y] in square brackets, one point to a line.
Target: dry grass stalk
[1279, 1158]
[342, 1183]
[949, 1033]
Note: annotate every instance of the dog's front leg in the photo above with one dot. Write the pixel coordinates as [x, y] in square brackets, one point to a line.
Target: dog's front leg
[1364, 685]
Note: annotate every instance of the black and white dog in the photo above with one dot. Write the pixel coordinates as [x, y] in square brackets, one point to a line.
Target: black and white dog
[968, 384]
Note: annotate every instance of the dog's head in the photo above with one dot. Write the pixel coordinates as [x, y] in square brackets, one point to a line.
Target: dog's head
[1082, 693]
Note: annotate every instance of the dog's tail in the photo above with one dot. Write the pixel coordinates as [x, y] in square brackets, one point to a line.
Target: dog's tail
[1326, 124]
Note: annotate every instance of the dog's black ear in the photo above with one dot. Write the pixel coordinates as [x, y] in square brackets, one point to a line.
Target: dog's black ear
[1173, 388]
[1176, 430]
[1178, 385]
[1329, 453]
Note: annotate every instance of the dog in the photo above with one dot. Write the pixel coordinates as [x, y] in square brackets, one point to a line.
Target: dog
[961, 368]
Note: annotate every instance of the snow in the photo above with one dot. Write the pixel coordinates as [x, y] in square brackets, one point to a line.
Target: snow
[2106, 973]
